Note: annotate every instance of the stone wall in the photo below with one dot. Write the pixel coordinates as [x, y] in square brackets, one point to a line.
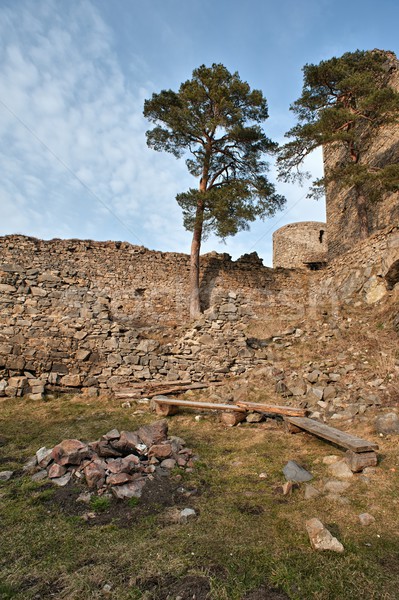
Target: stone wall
[366, 274]
[343, 228]
[299, 244]
[100, 315]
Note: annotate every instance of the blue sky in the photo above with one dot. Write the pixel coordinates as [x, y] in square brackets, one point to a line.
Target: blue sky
[75, 74]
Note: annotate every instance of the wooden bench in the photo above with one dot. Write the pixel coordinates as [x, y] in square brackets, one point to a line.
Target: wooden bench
[360, 453]
[231, 413]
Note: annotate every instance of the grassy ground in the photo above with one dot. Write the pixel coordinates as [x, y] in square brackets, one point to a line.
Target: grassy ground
[247, 534]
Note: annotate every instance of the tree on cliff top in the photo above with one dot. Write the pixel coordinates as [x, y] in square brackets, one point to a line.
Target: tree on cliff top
[345, 101]
[215, 118]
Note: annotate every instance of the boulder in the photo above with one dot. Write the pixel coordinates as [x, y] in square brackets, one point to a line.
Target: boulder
[128, 442]
[56, 471]
[95, 474]
[129, 490]
[153, 434]
[70, 452]
[294, 472]
[340, 469]
[321, 538]
[160, 451]
[387, 424]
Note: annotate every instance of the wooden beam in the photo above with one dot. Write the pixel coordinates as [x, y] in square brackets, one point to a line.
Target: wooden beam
[290, 411]
[152, 384]
[341, 438]
[199, 405]
[150, 393]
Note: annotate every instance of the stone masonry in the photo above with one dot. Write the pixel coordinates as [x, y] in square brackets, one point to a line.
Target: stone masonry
[300, 245]
[343, 232]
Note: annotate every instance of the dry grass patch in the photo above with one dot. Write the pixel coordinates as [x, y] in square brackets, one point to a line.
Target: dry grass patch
[247, 535]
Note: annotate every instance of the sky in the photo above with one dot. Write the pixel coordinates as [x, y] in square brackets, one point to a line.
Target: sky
[73, 79]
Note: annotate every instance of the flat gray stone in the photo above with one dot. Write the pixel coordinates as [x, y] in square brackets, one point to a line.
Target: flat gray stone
[39, 476]
[311, 492]
[129, 490]
[387, 424]
[6, 475]
[62, 481]
[294, 472]
[333, 486]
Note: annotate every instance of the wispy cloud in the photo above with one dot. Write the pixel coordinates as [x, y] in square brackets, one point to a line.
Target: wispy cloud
[61, 78]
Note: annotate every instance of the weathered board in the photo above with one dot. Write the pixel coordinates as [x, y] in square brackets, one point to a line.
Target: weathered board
[202, 405]
[290, 411]
[341, 438]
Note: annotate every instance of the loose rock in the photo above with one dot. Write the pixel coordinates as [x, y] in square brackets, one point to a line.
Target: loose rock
[321, 538]
[294, 472]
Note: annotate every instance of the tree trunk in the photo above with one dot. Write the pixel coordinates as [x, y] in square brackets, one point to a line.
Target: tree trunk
[362, 214]
[195, 306]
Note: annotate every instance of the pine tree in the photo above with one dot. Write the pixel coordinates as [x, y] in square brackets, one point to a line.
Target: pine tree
[215, 118]
[345, 101]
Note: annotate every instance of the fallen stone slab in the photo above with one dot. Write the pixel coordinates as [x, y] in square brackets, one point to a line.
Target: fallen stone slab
[127, 442]
[44, 456]
[294, 472]
[6, 475]
[70, 452]
[334, 486]
[341, 470]
[62, 481]
[153, 434]
[129, 490]
[387, 424]
[320, 538]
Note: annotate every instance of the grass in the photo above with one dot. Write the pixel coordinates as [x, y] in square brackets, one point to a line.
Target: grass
[246, 533]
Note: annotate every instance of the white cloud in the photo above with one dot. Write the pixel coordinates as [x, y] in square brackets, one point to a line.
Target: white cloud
[61, 78]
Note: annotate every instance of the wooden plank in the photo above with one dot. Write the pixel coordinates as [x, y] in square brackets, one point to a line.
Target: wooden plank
[147, 392]
[152, 384]
[341, 438]
[202, 405]
[290, 411]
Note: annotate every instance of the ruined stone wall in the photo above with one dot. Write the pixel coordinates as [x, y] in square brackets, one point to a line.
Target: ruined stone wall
[365, 275]
[343, 228]
[298, 244]
[99, 315]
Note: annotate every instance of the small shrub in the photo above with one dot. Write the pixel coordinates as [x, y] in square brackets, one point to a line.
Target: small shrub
[132, 502]
[100, 503]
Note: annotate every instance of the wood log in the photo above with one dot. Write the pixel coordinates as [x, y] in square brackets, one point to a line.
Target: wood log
[291, 411]
[232, 418]
[358, 461]
[136, 394]
[346, 440]
[153, 384]
[200, 405]
[165, 410]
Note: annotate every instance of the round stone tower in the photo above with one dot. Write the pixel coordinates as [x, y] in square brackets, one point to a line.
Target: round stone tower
[300, 245]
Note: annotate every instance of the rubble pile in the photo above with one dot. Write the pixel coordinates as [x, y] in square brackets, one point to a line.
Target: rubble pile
[119, 462]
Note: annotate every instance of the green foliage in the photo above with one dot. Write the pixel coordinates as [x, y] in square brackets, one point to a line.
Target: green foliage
[100, 503]
[215, 118]
[133, 502]
[344, 101]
